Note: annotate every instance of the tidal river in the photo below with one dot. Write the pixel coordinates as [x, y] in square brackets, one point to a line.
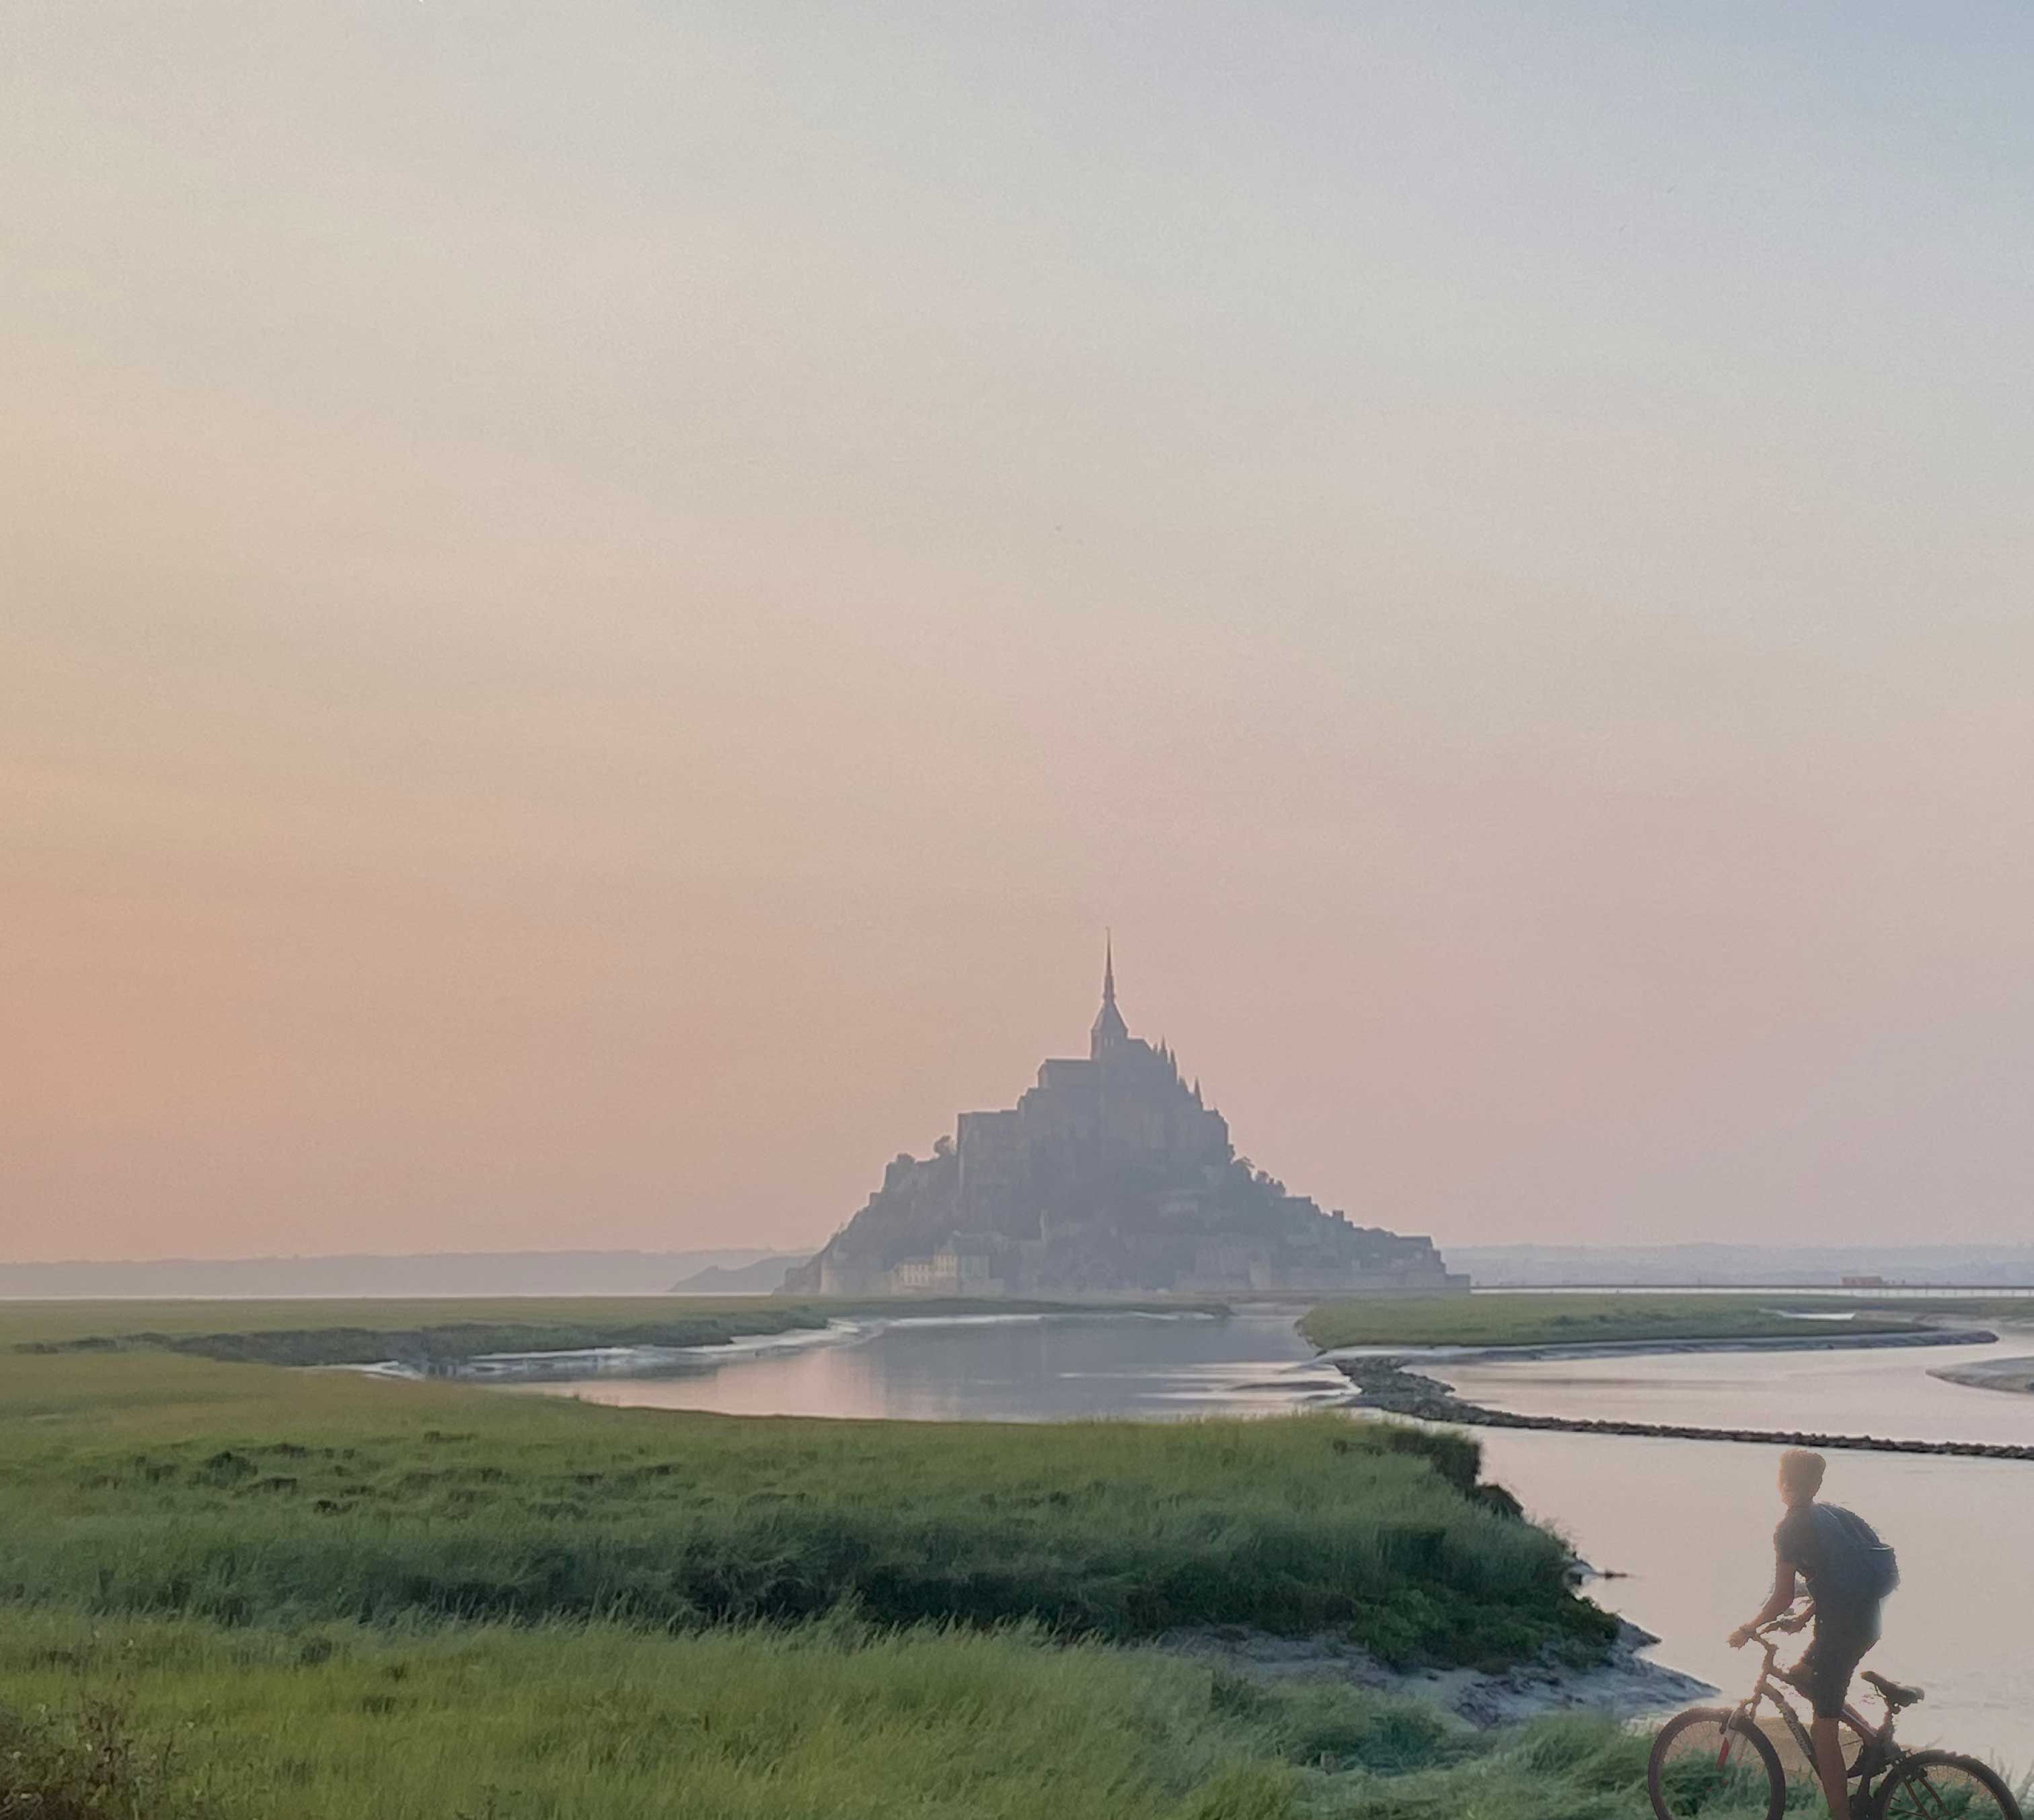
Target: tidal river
[1685, 1527]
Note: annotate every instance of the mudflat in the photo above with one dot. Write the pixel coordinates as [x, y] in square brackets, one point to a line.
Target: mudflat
[2015, 1375]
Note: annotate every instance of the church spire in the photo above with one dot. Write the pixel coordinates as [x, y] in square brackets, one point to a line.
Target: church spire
[1109, 1031]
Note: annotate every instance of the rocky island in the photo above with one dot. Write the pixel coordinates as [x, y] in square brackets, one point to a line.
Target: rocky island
[1111, 1175]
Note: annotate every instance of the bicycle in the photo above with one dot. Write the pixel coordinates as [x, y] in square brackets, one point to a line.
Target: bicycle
[1718, 1762]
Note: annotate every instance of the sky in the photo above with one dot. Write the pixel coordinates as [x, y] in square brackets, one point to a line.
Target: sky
[599, 605]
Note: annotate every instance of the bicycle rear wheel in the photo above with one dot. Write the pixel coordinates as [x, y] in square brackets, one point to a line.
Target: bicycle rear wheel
[1710, 1763]
[1940, 1785]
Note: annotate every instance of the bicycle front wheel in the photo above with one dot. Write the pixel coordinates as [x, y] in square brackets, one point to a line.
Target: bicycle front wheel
[1709, 1764]
[1939, 1785]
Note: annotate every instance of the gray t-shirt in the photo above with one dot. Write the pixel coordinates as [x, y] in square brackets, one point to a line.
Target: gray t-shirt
[1826, 1542]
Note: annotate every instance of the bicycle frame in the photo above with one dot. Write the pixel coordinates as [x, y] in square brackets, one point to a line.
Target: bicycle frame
[1878, 1752]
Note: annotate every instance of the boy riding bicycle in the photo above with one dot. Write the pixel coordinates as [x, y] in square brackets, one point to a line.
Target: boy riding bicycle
[1849, 1571]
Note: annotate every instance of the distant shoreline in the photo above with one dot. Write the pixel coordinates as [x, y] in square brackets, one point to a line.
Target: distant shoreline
[1811, 1342]
[1385, 1382]
[440, 1338]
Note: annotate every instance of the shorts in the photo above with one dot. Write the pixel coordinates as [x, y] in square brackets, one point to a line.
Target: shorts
[1824, 1672]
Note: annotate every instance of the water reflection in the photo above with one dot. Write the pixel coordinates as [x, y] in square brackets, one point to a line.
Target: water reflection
[1048, 1369]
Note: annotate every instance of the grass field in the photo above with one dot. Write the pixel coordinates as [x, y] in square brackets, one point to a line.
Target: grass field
[1489, 1320]
[328, 1595]
[831, 1721]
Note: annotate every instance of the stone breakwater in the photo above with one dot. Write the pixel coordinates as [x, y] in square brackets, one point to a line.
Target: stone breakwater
[1385, 1383]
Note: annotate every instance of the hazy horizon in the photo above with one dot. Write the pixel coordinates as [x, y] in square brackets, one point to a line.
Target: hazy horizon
[604, 603]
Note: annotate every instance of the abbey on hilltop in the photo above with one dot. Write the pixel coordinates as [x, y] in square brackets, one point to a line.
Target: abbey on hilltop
[1111, 1174]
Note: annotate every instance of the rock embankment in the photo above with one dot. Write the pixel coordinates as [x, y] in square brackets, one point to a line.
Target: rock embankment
[1385, 1382]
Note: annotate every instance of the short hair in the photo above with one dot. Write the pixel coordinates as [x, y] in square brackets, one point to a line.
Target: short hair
[1802, 1470]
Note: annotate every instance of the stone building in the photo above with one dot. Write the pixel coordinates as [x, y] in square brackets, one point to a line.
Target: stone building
[1110, 1174]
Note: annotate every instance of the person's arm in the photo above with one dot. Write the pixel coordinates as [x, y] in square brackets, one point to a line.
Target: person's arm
[1782, 1598]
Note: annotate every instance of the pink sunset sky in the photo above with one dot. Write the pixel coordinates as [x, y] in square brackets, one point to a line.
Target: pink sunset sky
[602, 602]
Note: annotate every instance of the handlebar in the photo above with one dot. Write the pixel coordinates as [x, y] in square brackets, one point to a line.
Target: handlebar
[1786, 1624]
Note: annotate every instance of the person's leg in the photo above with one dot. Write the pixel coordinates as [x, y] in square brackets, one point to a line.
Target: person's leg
[1829, 1766]
[1832, 1659]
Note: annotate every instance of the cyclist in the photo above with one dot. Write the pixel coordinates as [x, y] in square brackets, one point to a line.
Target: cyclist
[1849, 1571]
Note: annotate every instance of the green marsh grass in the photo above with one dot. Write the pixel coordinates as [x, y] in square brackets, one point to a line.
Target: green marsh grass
[1489, 1318]
[246, 1494]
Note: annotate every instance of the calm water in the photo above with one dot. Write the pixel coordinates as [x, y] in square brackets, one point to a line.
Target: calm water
[1007, 1369]
[1689, 1523]
[1850, 1391]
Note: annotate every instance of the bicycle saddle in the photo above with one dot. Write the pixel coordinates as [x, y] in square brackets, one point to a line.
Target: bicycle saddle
[1896, 1695]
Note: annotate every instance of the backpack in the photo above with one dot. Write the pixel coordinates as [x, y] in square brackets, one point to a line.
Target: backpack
[1860, 1568]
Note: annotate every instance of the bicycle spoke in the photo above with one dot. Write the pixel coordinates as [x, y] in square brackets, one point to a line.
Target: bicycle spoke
[1944, 1790]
